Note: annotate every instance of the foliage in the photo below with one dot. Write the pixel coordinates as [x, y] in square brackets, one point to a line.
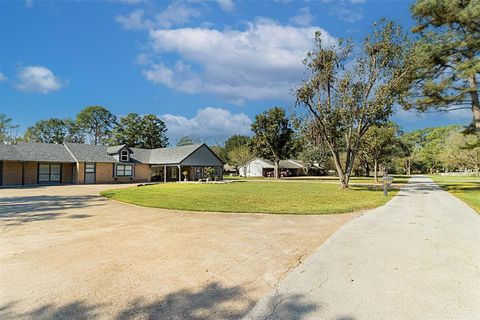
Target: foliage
[220, 152]
[97, 122]
[54, 130]
[209, 171]
[457, 156]
[6, 129]
[444, 62]
[188, 140]
[379, 145]
[345, 103]
[265, 197]
[236, 141]
[147, 131]
[273, 136]
[239, 156]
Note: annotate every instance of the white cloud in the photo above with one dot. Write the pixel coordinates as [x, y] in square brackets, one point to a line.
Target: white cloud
[2, 77]
[208, 123]
[226, 5]
[133, 21]
[263, 61]
[346, 14]
[303, 18]
[173, 14]
[37, 79]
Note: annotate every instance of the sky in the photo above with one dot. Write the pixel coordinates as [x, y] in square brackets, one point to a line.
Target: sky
[205, 67]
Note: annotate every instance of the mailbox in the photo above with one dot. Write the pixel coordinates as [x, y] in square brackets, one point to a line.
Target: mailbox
[387, 181]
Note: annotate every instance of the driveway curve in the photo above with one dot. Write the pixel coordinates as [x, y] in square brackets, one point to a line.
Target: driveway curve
[418, 257]
[67, 253]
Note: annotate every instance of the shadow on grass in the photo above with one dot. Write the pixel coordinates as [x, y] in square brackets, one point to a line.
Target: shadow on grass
[20, 210]
[213, 301]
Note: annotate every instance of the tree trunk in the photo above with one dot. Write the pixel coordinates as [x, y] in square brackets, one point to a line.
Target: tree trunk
[409, 167]
[275, 170]
[477, 171]
[367, 169]
[341, 175]
[475, 103]
[375, 171]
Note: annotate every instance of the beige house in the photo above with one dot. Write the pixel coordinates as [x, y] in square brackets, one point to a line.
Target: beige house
[43, 163]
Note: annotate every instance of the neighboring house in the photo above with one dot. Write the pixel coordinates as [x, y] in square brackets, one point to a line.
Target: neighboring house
[259, 167]
[37, 163]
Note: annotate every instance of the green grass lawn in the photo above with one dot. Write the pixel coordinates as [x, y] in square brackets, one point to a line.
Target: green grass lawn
[255, 197]
[464, 188]
[397, 179]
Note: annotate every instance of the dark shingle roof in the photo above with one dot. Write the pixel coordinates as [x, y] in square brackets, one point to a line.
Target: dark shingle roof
[172, 154]
[72, 152]
[90, 153]
[47, 152]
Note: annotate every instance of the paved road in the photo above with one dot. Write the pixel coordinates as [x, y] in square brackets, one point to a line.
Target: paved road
[418, 257]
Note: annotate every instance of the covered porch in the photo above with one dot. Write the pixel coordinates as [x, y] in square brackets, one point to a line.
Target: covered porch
[177, 173]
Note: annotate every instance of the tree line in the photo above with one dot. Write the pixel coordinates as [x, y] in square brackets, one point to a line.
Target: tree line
[95, 125]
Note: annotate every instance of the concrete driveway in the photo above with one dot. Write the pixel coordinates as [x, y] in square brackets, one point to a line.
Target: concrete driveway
[418, 257]
[67, 253]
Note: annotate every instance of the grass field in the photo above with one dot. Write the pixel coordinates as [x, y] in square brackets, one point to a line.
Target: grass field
[397, 179]
[253, 197]
[464, 188]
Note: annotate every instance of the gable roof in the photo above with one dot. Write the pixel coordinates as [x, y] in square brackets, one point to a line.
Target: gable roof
[27, 151]
[73, 152]
[172, 155]
[116, 149]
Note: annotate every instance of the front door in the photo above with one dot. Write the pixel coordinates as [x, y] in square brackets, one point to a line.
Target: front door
[90, 173]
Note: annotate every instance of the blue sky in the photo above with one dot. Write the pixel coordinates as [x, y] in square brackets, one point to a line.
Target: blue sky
[206, 67]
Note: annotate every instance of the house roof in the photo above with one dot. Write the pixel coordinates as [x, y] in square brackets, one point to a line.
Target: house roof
[35, 152]
[116, 149]
[172, 154]
[72, 152]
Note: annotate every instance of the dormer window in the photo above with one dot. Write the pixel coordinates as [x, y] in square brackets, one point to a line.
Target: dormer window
[124, 155]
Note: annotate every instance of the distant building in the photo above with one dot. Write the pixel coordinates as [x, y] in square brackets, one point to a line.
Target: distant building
[260, 167]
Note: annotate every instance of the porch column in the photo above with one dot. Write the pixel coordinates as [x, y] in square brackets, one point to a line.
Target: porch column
[164, 174]
[179, 173]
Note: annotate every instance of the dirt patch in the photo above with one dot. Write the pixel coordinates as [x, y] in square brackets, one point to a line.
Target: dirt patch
[67, 253]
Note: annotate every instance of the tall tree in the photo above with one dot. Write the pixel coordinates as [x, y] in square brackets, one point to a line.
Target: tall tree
[235, 141]
[445, 60]
[54, 130]
[187, 140]
[6, 129]
[347, 91]
[97, 122]
[273, 137]
[456, 155]
[239, 155]
[147, 131]
[380, 143]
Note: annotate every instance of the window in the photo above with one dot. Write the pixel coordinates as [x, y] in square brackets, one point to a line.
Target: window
[90, 168]
[124, 155]
[49, 172]
[123, 170]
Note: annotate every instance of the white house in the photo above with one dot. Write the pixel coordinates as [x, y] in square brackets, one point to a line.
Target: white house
[259, 167]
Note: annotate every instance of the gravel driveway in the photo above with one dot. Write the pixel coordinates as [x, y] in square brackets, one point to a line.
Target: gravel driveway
[66, 252]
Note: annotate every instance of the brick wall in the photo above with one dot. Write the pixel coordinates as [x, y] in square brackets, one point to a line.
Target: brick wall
[67, 174]
[104, 173]
[12, 173]
[31, 171]
[79, 174]
[142, 172]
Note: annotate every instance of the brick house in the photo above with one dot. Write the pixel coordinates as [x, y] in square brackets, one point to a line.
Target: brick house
[72, 163]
